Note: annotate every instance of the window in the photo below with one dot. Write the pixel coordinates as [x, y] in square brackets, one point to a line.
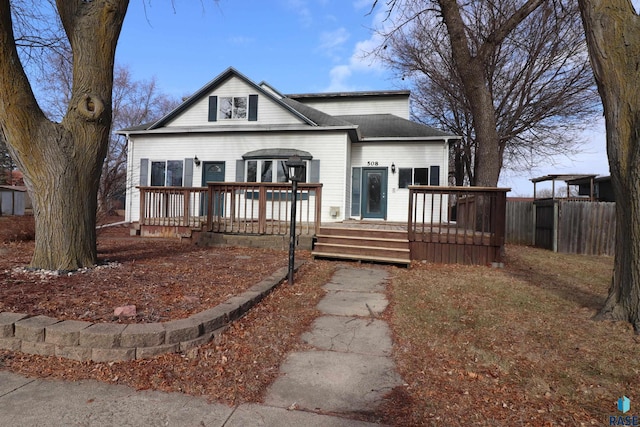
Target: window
[417, 176]
[167, 173]
[266, 171]
[404, 177]
[233, 107]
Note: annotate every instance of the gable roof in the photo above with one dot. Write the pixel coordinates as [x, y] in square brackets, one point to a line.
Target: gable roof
[221, 78]
[369, 127]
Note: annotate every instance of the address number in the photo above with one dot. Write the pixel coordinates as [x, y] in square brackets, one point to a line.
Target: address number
[372, 163]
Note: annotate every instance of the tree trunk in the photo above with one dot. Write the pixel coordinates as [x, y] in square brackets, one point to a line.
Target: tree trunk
[613, 37]
[62, 162]
[471, 68]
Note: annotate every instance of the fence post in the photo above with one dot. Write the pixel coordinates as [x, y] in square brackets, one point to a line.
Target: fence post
[143, 202]
[318, 213]
[410, 231]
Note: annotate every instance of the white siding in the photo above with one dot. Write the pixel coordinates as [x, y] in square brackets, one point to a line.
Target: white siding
[403, 155]
[269, 112]
[328, 147]
[398, 106]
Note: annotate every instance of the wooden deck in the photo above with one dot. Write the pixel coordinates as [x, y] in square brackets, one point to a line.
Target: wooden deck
[445, 224]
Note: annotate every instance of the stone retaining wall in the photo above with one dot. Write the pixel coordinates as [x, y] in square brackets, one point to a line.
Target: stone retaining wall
[108, 342]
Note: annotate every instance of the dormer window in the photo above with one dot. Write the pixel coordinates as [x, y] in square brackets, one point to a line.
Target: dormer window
[233, 107]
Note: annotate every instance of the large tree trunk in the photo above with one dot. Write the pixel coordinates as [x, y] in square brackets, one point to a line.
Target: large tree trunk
[62, 162]
[613, 37]
[471, 68]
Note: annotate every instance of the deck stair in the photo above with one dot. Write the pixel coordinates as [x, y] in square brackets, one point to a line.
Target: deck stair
[363, 244]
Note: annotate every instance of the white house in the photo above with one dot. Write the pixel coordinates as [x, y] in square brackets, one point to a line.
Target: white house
[360, 145]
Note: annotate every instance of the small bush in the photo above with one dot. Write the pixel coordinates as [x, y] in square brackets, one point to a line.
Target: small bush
[17, 228]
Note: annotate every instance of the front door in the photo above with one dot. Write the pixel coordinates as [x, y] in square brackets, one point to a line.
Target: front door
[213, 172]
[374, 193]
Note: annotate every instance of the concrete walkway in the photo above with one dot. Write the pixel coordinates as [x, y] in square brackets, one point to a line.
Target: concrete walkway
[349, 371]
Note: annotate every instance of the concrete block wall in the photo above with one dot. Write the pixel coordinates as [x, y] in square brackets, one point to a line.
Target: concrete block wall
[109, 342]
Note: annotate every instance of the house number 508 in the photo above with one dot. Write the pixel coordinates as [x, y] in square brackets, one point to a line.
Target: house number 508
[372, 163]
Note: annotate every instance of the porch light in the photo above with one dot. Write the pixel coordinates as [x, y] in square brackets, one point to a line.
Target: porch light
[393, 168]
[295, 166]
[196, 160]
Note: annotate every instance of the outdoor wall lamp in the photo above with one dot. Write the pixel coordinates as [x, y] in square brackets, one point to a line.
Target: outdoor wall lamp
[196, 160]
[393, 168]
[295, 166]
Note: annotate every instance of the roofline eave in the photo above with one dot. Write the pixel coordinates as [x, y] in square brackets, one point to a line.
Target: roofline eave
[233, 129]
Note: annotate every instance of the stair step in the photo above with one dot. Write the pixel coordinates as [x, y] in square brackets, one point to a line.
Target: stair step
[383, 259]
[364, 241]
[361, 251]
[364, 232]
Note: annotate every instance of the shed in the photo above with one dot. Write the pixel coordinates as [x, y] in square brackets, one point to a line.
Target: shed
[12, 200]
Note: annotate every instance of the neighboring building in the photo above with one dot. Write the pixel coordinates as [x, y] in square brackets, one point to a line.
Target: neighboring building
[13, 200]
[360, 145]
[602, 189]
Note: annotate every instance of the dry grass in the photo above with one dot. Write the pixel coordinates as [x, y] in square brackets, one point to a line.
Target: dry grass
[17, 228]
[475, 345]
[513, 346]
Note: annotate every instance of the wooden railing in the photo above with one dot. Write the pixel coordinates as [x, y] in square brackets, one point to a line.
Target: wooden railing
[262, 208]
[172, 206]
[457, 224]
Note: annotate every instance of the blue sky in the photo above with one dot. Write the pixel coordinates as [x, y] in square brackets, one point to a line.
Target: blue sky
[297, 46]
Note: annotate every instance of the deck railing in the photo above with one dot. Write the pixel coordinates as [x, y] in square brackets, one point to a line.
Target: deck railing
[172, 206]
[457, 224]
[262, 208]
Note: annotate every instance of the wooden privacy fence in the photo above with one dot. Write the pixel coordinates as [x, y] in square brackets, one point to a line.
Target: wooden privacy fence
[463, 225]
[572, 226]
[262, 208]
[172, 206]
[520, 222]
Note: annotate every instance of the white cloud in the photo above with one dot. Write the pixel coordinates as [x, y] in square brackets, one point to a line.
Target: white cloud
[332, 42]
[241, 40]
[362, 59]
[301, 8]
[338, 76]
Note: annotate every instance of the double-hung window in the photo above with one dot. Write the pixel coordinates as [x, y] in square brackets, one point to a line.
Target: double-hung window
[418, 176]
[269, 170]
[233, 107]
[167, 173]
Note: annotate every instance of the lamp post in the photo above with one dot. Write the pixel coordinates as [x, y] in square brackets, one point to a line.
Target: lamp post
[294, 166]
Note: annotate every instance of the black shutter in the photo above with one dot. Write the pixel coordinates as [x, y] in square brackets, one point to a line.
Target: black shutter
[434, 179]
[253, 108]
[144, 172]
[213, 108]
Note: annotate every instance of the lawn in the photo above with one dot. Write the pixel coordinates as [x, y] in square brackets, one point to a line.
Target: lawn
[475, 345]
[512, 346]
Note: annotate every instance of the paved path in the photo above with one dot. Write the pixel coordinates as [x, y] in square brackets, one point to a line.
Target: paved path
[350, 368]
[349, 371]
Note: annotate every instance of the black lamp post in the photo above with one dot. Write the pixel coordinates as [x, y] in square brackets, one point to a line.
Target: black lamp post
[295, 166]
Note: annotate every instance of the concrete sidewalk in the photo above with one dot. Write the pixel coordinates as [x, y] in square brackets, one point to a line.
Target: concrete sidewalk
[348, 372]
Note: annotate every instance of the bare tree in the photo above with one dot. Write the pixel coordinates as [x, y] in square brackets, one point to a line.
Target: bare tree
[62, 162]
[511, 77]
[612, 29]
[134, 102]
